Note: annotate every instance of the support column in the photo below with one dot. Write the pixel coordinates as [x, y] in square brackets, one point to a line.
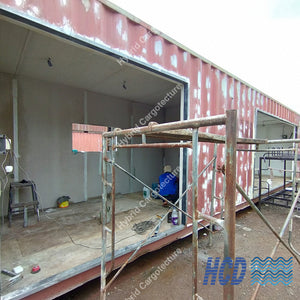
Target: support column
[195, 214]
[104, 211]
[85, 171]
[15, 129]
[230, 196]
[15, 134]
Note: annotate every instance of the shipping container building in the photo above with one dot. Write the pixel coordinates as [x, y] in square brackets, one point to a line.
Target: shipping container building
[75, 69]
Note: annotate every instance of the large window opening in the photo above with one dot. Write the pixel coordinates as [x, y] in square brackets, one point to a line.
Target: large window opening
[63, 156]
[268, 159]
[87, 138]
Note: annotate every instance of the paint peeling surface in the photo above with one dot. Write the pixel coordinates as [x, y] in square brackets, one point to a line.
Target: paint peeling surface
[211, 90]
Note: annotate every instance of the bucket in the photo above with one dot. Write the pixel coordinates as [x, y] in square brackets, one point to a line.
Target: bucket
[146, 193]
[155, 187]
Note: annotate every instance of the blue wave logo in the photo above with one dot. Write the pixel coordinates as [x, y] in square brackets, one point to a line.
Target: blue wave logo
[272, 271]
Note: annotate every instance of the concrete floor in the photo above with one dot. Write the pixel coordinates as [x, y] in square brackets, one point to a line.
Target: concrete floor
[139, 280]
[48, 242]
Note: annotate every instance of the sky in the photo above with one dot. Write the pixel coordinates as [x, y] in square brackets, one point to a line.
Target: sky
[256, 40]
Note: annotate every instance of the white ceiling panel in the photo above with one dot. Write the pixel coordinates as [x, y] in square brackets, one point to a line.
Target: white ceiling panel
[26, 52]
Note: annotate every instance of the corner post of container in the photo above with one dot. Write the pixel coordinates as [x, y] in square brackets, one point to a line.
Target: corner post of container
[103, 219]
[195, 209]
[230, 196]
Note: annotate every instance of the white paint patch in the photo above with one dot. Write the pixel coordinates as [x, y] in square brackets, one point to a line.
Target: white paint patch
[207, 83]
[204, 148]
[239, 198]
[249, 94]
[195, 93]
[119, 27]
[215, 205]
[198, 109]
[96, 9]
[86, 4]
[231, 91]
[185, 56]
[253, 97]
[220, 180]
[244, 96]
[224, 87]
[208, 97]
[158, 48]
[19, 2]
[66, 26]
[34, 11]
[199, 94]
[174, 60]
[63, 2]
[124, 36]
[208, 113]
[144, 50]
[243, 112]
[199, 79]
[238, 91]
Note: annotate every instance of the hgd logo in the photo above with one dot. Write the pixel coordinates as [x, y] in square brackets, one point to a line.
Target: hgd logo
[213, 270]
[263, 271]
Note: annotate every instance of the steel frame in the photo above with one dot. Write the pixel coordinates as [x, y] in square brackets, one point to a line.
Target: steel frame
[177, 131]
[283, 195]
[188, 131]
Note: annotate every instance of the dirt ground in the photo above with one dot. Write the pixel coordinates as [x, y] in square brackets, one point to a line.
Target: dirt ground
[253, 238]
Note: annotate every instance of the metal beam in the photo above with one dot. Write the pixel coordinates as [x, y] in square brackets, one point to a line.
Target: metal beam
[155, 145]
[154, 127]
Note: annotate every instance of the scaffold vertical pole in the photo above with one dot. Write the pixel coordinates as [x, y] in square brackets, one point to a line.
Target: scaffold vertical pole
[113, 204]
[195, 214]
[230, 196]
[103, 217]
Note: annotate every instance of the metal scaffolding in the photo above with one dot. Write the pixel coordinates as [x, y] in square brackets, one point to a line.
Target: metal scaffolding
[181, 131]
[182, 134]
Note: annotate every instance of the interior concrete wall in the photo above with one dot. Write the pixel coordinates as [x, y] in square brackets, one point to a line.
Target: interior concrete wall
[46, 113]
[6, 127]
[171, 156]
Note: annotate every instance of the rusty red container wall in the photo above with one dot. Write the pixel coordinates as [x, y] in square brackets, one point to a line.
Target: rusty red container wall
[86, 142]
[211, 90]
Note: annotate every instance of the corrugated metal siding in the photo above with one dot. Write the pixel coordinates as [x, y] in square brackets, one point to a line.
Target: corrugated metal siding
[212, 90]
